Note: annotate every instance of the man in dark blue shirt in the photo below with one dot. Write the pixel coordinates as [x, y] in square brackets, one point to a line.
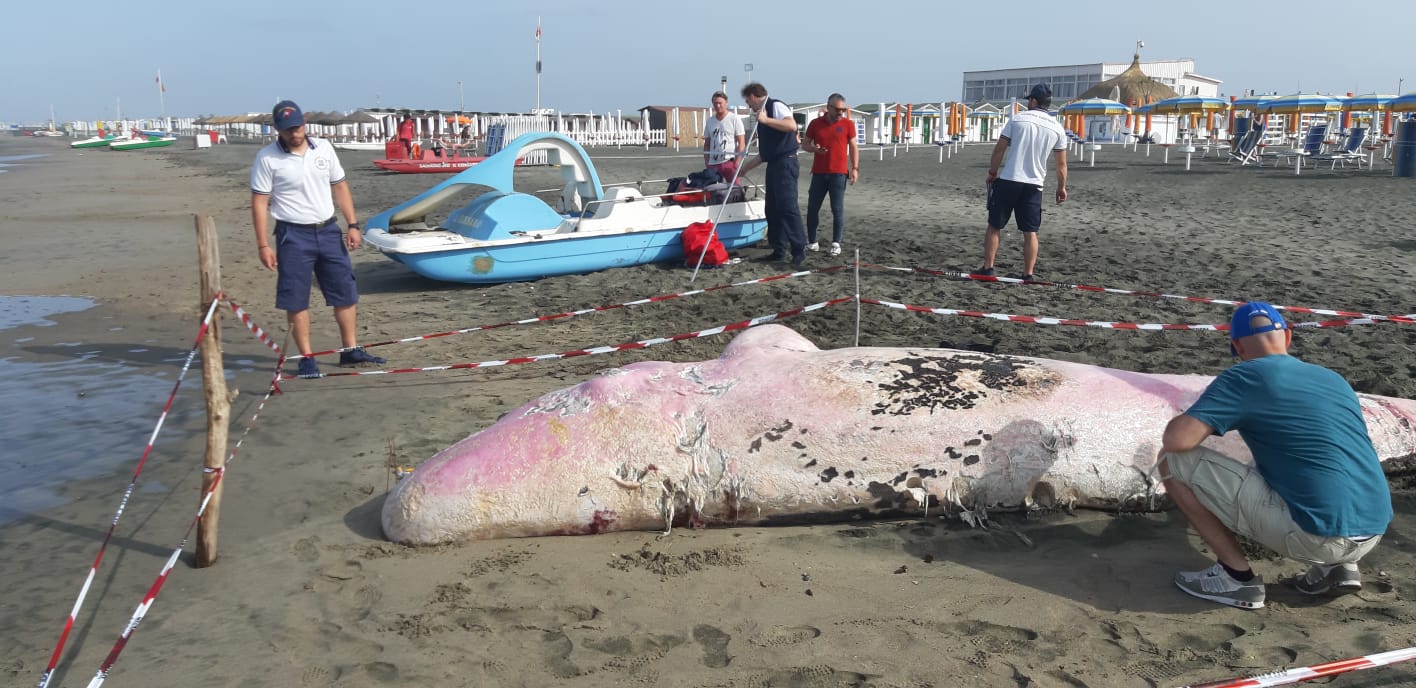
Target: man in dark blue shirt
[777, 146]
[1316, 492]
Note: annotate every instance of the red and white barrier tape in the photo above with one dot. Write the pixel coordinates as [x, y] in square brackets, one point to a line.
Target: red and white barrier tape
[1308, 673]
[251, 325]
[1405, 319]
[626, 346]
[584, 311]
[151, 596]
[127, 494]
[1048, 320]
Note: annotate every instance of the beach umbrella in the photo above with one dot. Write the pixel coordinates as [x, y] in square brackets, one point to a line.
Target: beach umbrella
[1250, 102]
[1367, 102]
[1300, 102]
[358, 117]
[1406, 103]
[1186, 105]
[1094, 106]
[1130, 85]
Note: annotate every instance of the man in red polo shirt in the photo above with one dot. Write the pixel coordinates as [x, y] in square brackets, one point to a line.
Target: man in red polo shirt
[833, 141]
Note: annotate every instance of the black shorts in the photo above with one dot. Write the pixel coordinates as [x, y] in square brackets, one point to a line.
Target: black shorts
[1009, 198]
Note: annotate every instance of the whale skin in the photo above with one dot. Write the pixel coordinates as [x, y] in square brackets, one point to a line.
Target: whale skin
[776, 430]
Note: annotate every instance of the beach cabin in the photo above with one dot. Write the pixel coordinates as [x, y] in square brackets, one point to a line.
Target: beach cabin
[890, 123]
[682, 124]
[983, 123]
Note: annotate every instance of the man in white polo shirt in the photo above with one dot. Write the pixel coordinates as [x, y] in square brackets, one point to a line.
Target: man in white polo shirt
[1026, 141]
[297, 180]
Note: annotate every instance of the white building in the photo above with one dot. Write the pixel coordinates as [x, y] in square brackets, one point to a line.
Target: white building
[1069, 81]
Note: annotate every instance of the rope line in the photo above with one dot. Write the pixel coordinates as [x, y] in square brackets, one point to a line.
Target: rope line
[127, 494]
[1049, 320]
[1405, 319]
[150, 596]
[571, 314]
[1308, 673]
[625, 346]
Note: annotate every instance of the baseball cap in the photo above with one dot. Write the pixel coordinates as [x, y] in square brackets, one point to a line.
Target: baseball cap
[287, 114]
[1040, 92]
[1241, 326]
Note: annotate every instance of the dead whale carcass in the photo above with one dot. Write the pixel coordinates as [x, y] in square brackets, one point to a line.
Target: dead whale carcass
[776, 430]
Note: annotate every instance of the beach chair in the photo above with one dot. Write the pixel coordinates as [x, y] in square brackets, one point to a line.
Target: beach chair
[1351, 151]
[1312, 145]
[1246, 149]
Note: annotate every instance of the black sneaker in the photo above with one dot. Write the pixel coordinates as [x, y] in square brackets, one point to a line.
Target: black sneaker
[798, 261]
[1030, 277]
[773, 257]
[309, 369]
[357, 356]
[984, 272]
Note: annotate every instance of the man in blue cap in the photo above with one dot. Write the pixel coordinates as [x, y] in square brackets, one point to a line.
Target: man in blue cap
[1316, 492]
[298, 180]
[1015, 190]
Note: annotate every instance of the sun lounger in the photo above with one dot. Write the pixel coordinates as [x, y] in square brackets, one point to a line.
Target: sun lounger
[1351, 151]
[1312, 145]
[1246, 150]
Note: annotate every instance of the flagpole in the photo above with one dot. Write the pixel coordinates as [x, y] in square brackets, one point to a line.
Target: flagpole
[161, 98]
[538, 65]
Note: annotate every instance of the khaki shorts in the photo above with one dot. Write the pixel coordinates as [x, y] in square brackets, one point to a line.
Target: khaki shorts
[1238, 496]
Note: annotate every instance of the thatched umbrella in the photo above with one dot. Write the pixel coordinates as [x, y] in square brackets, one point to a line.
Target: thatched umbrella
[1133, 86]
[358, 117]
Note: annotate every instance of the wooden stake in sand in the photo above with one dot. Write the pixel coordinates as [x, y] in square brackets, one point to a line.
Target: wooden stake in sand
[218, 404]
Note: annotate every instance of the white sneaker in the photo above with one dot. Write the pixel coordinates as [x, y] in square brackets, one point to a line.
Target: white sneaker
[1215, 584]
[813, 246]
[835, 249]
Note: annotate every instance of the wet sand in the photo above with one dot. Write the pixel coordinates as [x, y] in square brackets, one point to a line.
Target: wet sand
[308, 593]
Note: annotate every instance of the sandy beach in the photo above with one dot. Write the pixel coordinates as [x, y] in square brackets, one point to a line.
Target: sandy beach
[308, 593]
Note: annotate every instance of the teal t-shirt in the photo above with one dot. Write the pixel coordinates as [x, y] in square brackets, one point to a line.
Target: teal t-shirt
[1304, 426]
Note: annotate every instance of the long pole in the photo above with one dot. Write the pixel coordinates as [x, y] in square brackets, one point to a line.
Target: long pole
[727, 196]
[461, 102]
[538, 65]
[161, 96]
[218, 404]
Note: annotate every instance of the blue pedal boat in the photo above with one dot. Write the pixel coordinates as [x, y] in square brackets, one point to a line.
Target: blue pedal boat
[506, 236]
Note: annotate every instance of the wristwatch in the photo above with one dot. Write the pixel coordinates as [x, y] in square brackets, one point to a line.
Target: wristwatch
[354, 225]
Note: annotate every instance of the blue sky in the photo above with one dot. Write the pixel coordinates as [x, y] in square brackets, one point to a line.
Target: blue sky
[229, 58]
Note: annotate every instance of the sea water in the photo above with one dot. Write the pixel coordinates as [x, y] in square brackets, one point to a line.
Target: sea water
[5, 160]
[70, 410]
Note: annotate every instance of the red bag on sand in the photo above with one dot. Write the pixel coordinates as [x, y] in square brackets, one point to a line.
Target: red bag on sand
[694, 237]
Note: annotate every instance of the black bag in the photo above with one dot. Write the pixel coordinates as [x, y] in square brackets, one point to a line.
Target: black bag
[703, 178]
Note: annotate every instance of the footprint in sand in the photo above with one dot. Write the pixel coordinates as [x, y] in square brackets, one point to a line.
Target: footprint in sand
[315, 676]
[383, 672]
[307, 549]
[784, 635]
[715, 645]
[817, 675]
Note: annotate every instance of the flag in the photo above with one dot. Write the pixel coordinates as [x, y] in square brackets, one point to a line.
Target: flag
[538, 32]
[161, 86]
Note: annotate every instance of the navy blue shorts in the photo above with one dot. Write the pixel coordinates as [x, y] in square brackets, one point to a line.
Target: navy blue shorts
[304, 253]
[1009, 198]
